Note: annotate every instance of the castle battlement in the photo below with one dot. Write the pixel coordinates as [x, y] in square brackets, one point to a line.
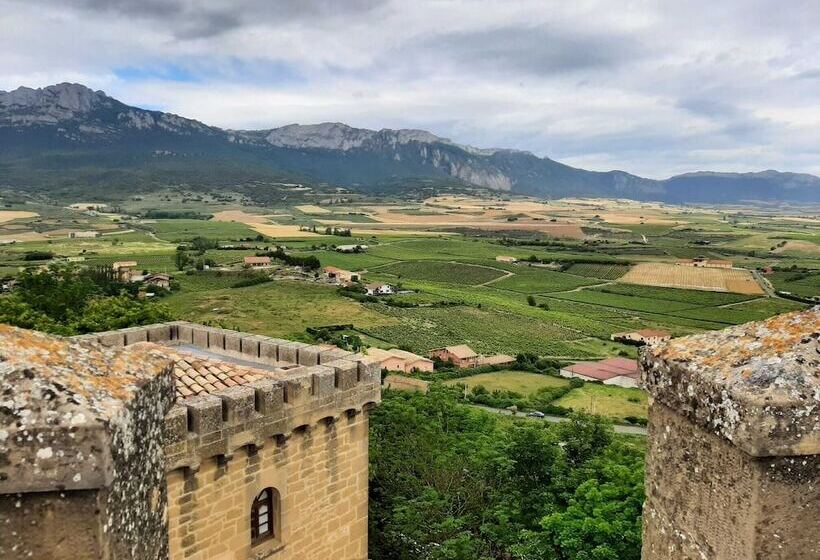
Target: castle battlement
[300, 385]
[119, 444]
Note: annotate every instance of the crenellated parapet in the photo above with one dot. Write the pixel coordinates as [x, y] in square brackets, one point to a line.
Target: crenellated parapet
[301, 385]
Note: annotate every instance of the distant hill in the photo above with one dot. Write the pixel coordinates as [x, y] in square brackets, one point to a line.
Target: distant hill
[68, 136]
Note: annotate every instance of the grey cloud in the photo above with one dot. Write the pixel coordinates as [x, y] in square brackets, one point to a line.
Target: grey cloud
[734, 122]
[540, 50]
[211, 18]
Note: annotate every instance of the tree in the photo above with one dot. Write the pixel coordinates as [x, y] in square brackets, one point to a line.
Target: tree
[531, 301]
[181, 259]
[66, 301]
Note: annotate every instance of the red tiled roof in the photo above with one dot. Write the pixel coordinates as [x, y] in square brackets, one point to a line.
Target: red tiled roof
[257, 260]
[201, 376]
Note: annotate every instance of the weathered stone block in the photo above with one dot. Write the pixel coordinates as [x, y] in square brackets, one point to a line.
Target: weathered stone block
[176, 425]
[205, 414]
[185, 332]
[233, 343]
[238, 404]
[268, 349]
[159, 333]
[115, 339]
[323, 381]
[309, 355]
[269, 396]
[216, 340]
[346, 373]
[289, 352]
[250, 346]
[733, 463]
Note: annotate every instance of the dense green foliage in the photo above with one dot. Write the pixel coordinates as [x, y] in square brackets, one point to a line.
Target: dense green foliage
[65, 301]
[450, 482]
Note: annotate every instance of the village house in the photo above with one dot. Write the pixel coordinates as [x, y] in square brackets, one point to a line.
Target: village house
[623, 372]
[340, 276]
[257, 262]
[124, 270]
[159, 280]
[379, 289]
[83, 234]
[641, 337]
[400, 360]
[506, 259]
[461, 356]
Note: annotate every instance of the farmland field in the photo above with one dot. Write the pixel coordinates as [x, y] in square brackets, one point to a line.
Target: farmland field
[689, 277]
[602, 271]
[535, 280]
[606, 400]
[486, 331]
[521, 382]
[448, 272]
[806, 284]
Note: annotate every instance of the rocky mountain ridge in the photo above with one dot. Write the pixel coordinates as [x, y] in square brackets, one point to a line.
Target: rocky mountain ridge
[99, 136]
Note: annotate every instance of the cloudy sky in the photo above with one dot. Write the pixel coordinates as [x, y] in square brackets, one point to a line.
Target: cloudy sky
[654, 88]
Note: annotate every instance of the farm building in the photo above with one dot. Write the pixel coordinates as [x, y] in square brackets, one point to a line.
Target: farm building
[351, 248]
[257, 262]
[403, 383]
[83, 234]
[159, 280]
[496, 360]
[379, 289]
[704, 262]
[612, 371]
[643, 336]
[505, 259]
[461, 356]
[339, 275]
[124, 270]
[400, 360]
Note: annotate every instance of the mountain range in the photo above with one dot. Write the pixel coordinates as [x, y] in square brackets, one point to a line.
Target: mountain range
[69, 136]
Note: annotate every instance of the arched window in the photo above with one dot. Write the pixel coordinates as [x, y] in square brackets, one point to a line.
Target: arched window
[263, 516]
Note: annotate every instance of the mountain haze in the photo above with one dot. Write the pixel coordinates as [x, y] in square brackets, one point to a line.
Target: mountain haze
[68, 135]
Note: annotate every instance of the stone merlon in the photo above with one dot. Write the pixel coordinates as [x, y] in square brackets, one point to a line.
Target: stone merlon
[756, 385]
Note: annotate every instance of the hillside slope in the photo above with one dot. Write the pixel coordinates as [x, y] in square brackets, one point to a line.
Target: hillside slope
[68, 136]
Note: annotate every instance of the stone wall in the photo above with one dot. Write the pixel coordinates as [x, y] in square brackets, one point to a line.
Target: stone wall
[81, 456]
[320, 475]
[733, 462]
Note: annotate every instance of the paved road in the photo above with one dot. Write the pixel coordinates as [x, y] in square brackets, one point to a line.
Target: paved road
[619, 428]
[764, 283]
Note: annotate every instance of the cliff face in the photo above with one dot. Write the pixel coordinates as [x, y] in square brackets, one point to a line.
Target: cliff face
[86, 136]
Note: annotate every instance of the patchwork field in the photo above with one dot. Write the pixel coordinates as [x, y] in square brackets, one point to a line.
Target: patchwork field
[694, 278]
[9, 215]
[602, 271]
[448, 272]
[521, 382]
[606, 400]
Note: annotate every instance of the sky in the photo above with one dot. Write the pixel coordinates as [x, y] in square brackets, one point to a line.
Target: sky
[654, 88]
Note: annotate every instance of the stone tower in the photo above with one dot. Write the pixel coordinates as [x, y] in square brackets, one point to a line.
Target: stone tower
[733, 464]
